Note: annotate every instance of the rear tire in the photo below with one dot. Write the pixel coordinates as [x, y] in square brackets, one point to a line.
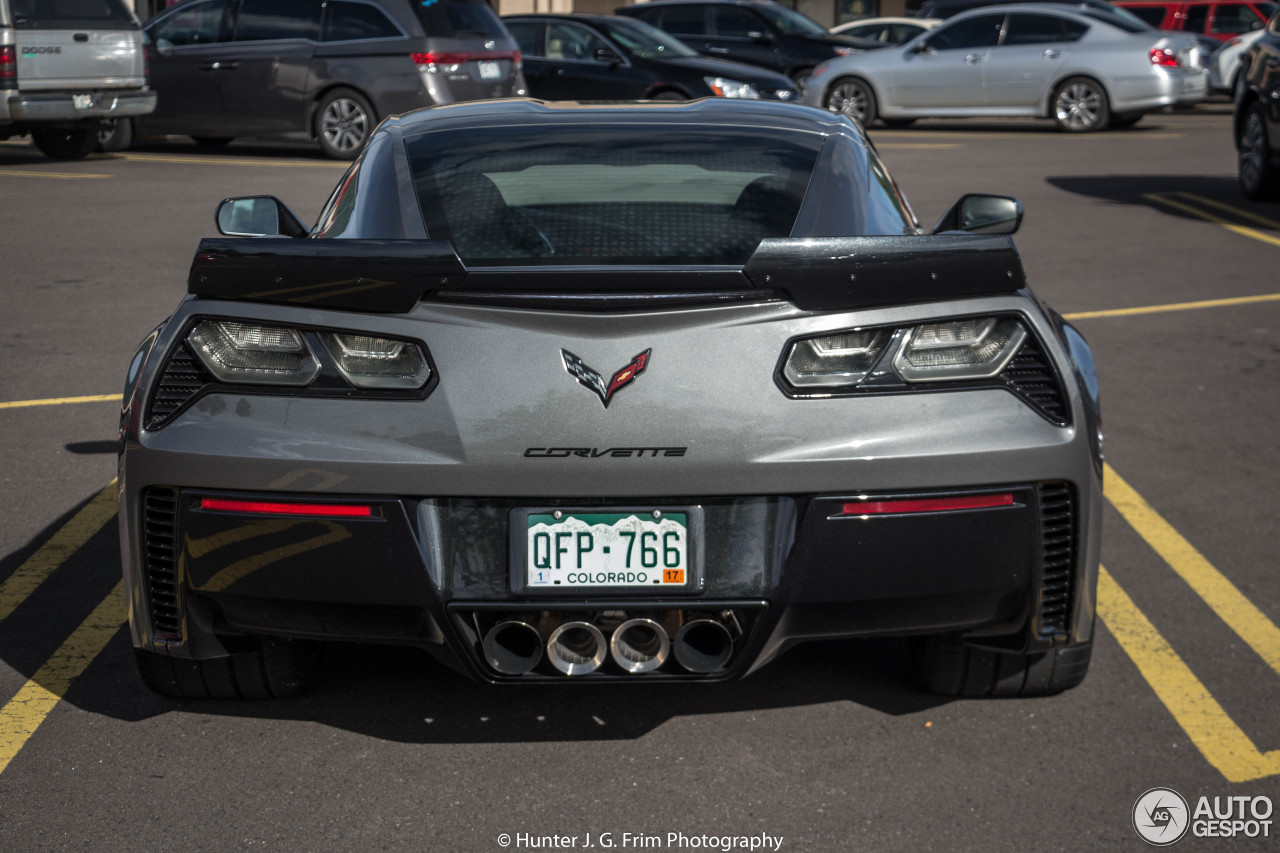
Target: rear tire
[668, 95]
[344, 122]
[852, 96]
[946, 665]
[117, 138]
[801, 76]
[277, 669]
[69, 144]
[1080, 105]
[1259, 178]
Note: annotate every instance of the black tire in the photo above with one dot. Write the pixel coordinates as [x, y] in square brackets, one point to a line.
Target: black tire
[898, 123]
[117, 137]
[1259, 178]
[800, 76]
[343, 124]
[948, 666]
[1080, 105]
[69, 144]
[277, 669]
[1119, 121]
[852, 96]
[668, 95]
[213, 141]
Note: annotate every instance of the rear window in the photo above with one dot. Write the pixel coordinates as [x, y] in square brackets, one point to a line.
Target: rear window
[71, 15]
[1118, 18]
[458, 19]
[570, 195]
[356, 21]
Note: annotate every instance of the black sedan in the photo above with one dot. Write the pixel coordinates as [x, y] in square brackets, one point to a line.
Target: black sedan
[1257, 116]
[606, 57]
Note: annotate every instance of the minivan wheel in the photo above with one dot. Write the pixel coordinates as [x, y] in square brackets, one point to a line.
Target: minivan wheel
[66, 144]
[344, 122]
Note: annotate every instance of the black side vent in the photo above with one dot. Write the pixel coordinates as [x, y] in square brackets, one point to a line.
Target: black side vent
[182, 379]
[1032, 378]
[159, 563]
[1058, 538]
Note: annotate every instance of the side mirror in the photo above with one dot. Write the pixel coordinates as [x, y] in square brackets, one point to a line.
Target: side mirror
[605, 54]
[258, 216]
[982, 214]
[921, 46]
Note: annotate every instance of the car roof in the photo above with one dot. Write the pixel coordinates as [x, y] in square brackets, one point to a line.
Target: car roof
[569, 16]
[499, 111]
[1047, 8]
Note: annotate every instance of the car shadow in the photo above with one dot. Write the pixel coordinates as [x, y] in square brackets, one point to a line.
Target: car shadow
[1195, 197]
[402, 694]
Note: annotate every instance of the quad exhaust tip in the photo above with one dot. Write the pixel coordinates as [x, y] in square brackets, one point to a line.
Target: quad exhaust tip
[703, 645]
[577, 648]
[639, 645]
[513, 647]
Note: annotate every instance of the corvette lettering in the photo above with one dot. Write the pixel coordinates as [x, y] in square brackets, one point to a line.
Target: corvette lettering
[597, 452]
[588, 378]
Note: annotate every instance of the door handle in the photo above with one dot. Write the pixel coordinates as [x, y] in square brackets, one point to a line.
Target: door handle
[217, 66]
[1052, 54]
[973, 59]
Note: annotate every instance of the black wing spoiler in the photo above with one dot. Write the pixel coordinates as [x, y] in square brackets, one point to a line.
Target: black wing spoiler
[820, 274]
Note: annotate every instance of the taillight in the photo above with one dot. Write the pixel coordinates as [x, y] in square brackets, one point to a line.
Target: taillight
[948, 504]
[1162, 56]
[8, 67]
[325, 510]
[432, 58]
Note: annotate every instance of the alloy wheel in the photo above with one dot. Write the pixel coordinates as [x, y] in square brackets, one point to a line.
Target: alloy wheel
[344, 125]
[849, 98]
[1079, 107]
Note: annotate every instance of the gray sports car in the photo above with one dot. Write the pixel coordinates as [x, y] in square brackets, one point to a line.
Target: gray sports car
[619, 392]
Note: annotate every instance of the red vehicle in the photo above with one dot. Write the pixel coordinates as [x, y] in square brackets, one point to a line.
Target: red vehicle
[1219, 19]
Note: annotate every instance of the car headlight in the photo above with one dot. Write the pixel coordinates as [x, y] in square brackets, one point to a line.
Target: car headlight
[369, 362]
[254, 354]
[972, 348]
[723, 87]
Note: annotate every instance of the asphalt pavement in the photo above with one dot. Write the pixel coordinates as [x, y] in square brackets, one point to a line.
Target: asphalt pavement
[1141, 236]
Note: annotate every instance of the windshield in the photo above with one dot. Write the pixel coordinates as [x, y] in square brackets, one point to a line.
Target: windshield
[789, 22]
[645, 40]
[71, 14]
[569, 194]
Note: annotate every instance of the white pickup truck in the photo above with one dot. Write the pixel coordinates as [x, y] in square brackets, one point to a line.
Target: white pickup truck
[68, 68]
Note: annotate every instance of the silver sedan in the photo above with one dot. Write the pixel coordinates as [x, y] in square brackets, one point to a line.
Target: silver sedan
[1086, 69]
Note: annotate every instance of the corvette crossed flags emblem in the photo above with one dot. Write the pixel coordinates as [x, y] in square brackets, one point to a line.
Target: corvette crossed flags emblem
[588, 378]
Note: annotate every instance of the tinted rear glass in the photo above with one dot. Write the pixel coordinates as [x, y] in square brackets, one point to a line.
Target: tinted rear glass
[458, 19]
[1119, 18]
[353, 21]
[570, 195]
[265, 20]
[70, 14]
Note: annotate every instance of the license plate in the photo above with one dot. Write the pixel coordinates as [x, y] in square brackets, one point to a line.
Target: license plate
[82, 102]
[638, 550]
[490, 70]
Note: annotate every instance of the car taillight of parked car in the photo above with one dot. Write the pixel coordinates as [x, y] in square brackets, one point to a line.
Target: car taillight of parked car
[1163, 57]
[434, 60]
[8, 67]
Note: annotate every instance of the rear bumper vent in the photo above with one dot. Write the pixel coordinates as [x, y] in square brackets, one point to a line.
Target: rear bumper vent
[1058, 548]
[159, 563]
[183, 378]
[1031, 377]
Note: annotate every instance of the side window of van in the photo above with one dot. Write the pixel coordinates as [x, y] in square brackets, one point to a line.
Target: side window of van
[266, 20]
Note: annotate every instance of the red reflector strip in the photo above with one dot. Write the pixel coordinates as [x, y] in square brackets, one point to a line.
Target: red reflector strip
[272, 508]
[457, 57]
[926, 504]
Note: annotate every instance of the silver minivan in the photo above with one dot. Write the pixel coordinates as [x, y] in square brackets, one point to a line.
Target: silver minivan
[67, 69]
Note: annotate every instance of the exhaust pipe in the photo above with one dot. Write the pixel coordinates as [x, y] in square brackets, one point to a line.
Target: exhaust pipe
[576, 648]
[703, 645]
[513, 646]
[639, 645]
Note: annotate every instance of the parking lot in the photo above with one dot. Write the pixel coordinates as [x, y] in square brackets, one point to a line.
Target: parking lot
[1140, 237]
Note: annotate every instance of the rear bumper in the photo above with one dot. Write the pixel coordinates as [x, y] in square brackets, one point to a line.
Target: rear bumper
[1160, 88]
[437, 573]
[61, 106]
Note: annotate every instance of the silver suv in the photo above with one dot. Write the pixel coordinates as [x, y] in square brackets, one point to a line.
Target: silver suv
[67, 69]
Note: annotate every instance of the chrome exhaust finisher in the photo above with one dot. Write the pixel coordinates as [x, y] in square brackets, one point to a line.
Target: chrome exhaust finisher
[639, 645]
[513, 647]
[704, 645]
[576, 648]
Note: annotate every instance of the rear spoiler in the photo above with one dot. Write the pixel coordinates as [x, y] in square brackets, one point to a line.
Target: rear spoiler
[817, 274]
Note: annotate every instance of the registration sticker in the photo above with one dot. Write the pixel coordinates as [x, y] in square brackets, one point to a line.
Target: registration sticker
[639, 550]
[490, 70]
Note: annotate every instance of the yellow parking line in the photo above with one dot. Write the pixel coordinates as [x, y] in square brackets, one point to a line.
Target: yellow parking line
[69, 539]
[64, 176]
[228, 161]
[60, 401]
[1036, 132]
[1176, 306]
[1211, 729]
[1247, 214]
[24, 713]
[1241, 614]
[1209, 217]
